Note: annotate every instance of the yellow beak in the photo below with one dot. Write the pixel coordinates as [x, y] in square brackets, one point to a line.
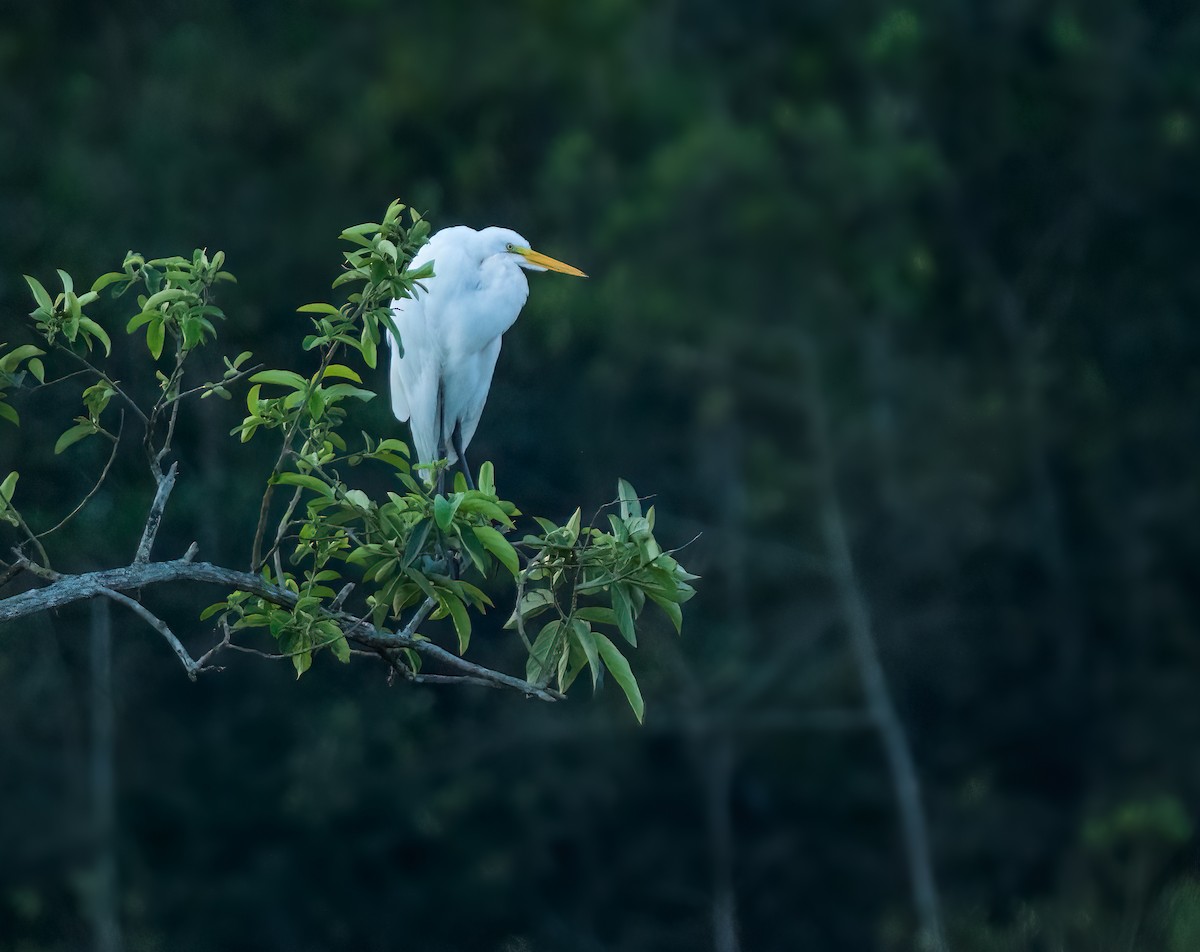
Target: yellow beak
[545, 261]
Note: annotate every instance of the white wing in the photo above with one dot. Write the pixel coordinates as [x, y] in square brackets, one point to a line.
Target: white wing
[414, 376]
[467, 385]
[400, 406]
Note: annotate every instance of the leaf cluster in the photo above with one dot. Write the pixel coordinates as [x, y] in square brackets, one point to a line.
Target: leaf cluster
[350, 564]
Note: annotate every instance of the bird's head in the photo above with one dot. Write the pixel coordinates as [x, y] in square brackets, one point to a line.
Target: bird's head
[505, 241]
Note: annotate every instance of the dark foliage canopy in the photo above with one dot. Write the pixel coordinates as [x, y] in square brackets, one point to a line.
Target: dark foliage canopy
[971, 224]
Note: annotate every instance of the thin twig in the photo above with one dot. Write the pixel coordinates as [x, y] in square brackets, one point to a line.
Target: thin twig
[521, 579]
[51, 383]
[256, 559]
[284, 523]
[107, 379]
[202, 662]
[155, 458]
[99, 482]
[9, 573]
[24, 526]
[340, 598]
[212, 385]
[41, 571]
[158, 625]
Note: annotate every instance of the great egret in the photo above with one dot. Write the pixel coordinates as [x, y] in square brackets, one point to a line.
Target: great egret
[451, 332]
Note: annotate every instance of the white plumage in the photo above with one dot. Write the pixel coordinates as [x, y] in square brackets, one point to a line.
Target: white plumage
[451, 333]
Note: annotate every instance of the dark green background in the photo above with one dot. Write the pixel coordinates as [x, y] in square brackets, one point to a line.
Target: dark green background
[984, 221]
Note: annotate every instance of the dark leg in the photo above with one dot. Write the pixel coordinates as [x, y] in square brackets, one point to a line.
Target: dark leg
[456, 439]
[441, 418]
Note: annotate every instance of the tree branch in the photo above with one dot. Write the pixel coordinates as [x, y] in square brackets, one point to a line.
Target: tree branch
[879, 705]
[166, 483]
[106, 378]
[158, 625]
[68, 589]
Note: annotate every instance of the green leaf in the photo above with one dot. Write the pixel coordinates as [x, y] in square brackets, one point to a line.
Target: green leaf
[630, 504]
[318, 486]
[597, 614]
[155, 335]
[413, 659]
[319, 308]
[499, 546]
[139, 319]
[674, 612]
[416, 541]
[586, 639]
[98, 332]
[421, 582]
[341, 649]
[623, 610]
[619, 668]
[340, 390]
[394, 446]
[282, 378]
[9, 362]
[367, 346]
[74, 435]
[106, 279]
[476, 551]
[212, 610]
[9, 414]
[37, 369]
[39, 293]
[163, 297]
[487, 478]
[341, 370]
[302, 662]
[443, 512]
[533, 602]
[462, 621]
[8, 486]
[67, 283]
[543, 658]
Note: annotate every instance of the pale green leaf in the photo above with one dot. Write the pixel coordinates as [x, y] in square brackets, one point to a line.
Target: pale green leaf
[499, 546]
[39, 293]
[307, 482]
[74, 435]
[619, 668]
[282, 378]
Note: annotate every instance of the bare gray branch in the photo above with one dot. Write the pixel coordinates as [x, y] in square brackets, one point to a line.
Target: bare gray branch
[166, 483]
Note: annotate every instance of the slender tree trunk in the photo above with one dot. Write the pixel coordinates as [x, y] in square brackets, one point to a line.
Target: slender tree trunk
[875, 688]
[106, 894]
[711, 748]
[718, 774]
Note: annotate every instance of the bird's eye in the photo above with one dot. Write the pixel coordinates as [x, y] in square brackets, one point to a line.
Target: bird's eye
[508, 247]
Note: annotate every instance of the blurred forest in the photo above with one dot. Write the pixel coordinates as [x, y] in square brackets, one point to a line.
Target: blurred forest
[925, 270]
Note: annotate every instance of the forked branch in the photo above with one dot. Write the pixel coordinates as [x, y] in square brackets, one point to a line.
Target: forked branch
[66, 590]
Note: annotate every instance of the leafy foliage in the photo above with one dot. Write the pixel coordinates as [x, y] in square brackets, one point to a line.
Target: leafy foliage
[418, 553]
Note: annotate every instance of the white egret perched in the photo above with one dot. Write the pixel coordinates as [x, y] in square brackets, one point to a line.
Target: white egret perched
[451, 332]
